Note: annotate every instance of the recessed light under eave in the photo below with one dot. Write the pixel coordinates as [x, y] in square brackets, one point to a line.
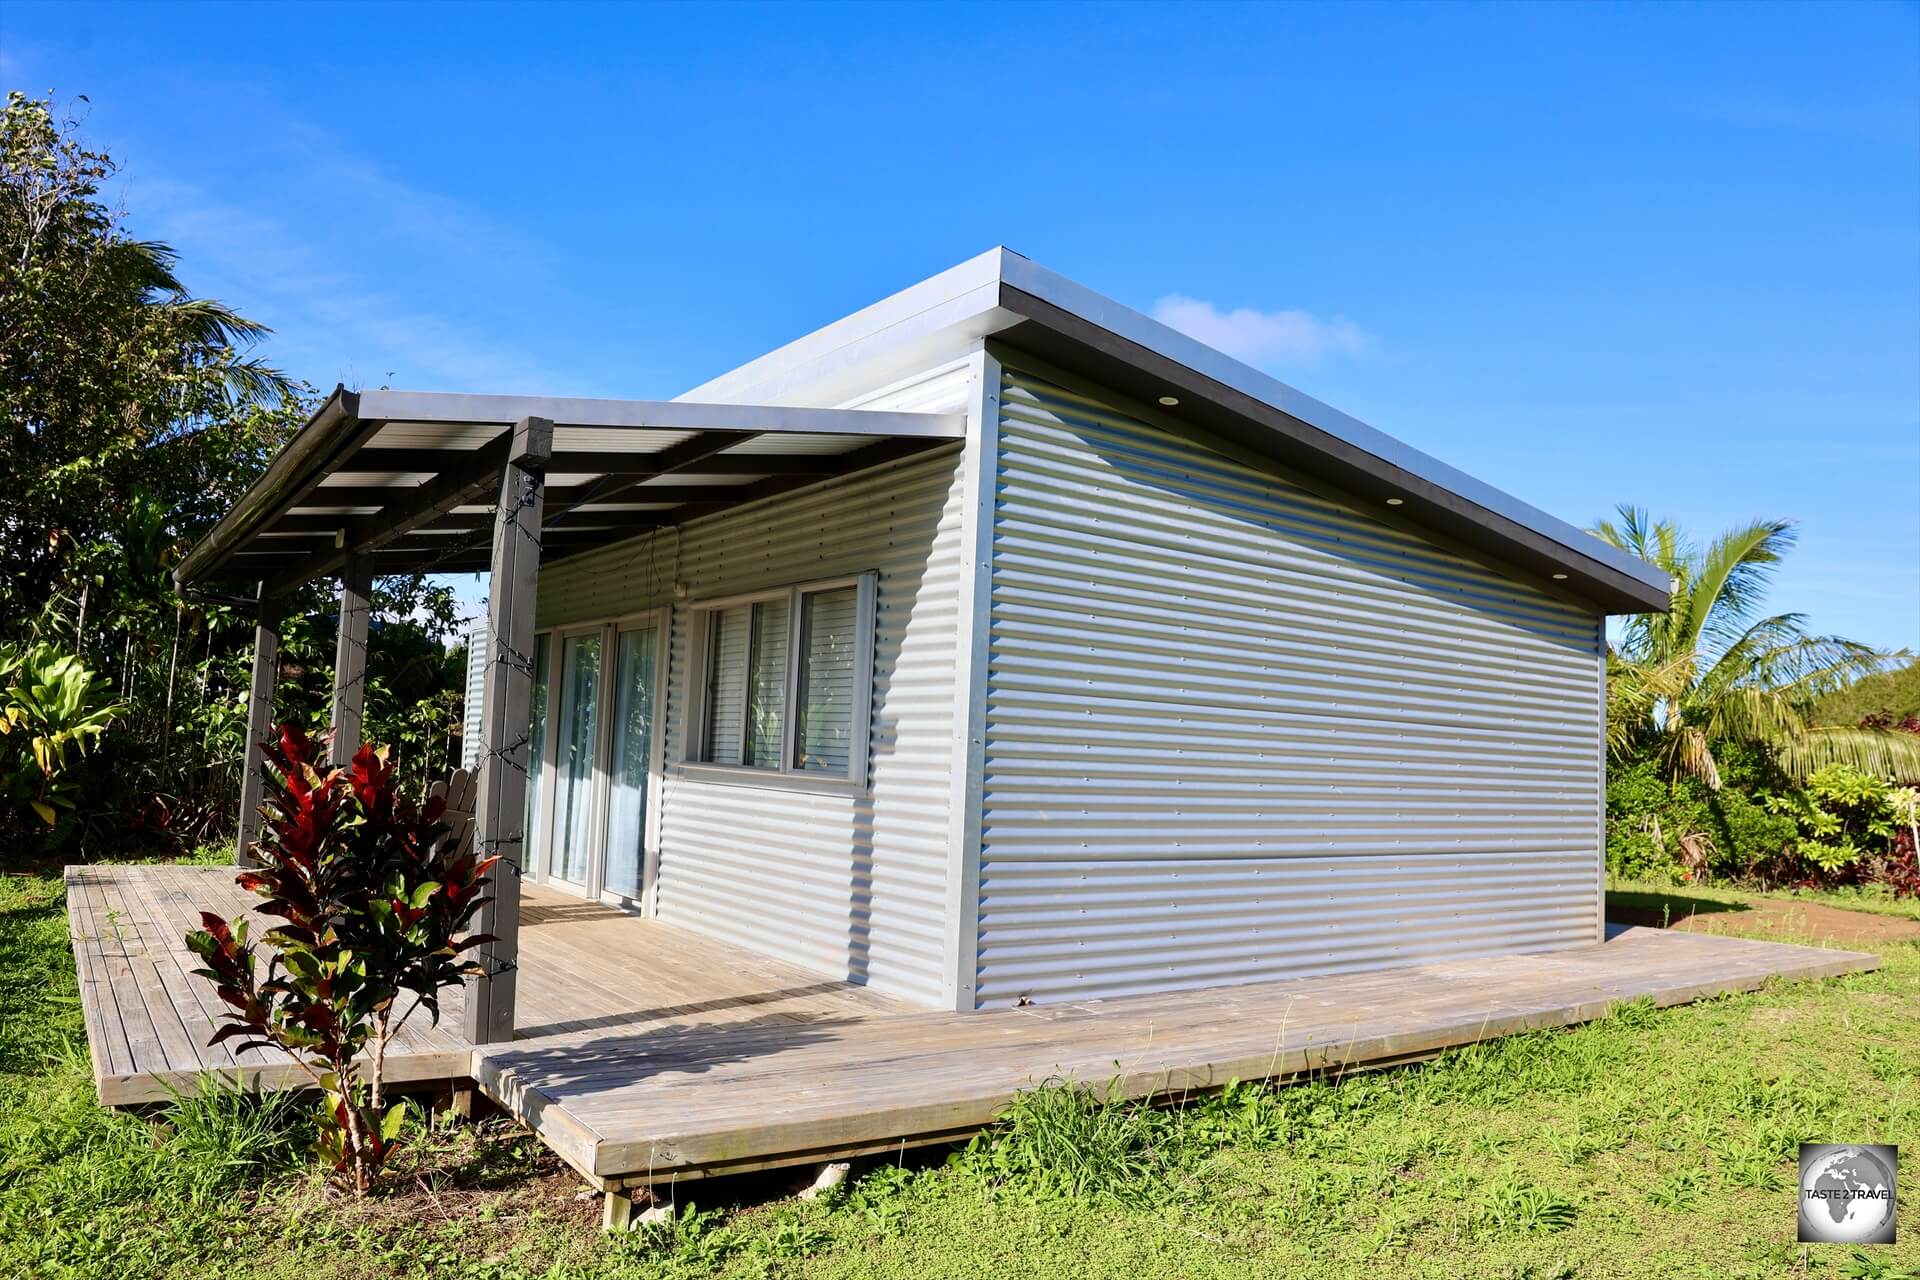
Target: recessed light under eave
[1559, 577]
[1396, 502]
[1169, 401]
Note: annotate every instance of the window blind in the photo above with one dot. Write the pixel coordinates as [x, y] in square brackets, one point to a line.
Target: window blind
[767, 684]
[824, 730]
[726, 682]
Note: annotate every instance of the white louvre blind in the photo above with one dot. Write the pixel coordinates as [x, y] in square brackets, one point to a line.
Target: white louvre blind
[726, 682]
[825, 705]
[767, 685]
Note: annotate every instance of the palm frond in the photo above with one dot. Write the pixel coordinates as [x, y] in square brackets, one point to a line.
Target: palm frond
[1634, 691]
[212, 324]
[1748, 713]
[1732, 580]
[1647, 636]
[1884, 753]
[1803, 667]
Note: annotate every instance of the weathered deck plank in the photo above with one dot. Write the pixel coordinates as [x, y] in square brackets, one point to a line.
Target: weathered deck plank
[648, 1053]
[585, 968]
[675, 1103]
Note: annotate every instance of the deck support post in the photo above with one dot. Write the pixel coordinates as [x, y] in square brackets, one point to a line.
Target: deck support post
[505, 720]
[266, 669]
[350, 659]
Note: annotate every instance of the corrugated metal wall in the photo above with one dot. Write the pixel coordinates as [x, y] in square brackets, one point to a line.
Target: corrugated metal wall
[850, 886]
[1237, 731]
[476, 674]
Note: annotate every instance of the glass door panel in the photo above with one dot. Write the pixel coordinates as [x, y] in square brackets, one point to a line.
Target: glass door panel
[632, 761]
[536, 759]
[577, 738]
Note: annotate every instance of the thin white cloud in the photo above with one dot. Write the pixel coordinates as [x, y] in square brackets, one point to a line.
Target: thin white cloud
[1285, 337]
[320, 285]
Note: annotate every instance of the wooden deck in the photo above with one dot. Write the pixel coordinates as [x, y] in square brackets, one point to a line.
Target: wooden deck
[584, 969]
[648, 1054]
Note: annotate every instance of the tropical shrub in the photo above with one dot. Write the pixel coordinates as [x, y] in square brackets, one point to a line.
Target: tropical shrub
[52, 710]
[375, 899]
[1665, 829]
[1842, 813]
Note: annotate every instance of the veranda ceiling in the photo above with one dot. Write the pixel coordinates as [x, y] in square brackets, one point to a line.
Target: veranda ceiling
[410, 478]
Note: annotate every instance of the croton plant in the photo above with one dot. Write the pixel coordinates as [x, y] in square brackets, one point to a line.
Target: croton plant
[376, 898]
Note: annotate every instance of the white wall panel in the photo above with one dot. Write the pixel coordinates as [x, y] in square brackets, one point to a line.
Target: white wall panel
[476, 686]
[1236, 730]
[850, 886]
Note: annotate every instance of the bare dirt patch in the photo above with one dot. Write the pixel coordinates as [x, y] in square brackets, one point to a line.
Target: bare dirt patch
[1776, 919]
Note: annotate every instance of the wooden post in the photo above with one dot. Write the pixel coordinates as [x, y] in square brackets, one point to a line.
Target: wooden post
[350, 658]
[266, 667]
[506, 717]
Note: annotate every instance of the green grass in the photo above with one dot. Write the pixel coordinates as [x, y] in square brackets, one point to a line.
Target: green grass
[1652, 1143]
[1874, 898]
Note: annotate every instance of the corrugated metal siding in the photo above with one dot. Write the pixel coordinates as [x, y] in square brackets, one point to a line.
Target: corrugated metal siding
[1237, 731]
[476, 676]
[852, 887]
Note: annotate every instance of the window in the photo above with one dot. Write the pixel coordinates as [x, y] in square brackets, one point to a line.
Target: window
[786, 679]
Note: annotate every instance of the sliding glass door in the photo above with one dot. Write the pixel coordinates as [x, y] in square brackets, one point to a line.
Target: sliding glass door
[631, 761]
[576, 742]
[590, 799]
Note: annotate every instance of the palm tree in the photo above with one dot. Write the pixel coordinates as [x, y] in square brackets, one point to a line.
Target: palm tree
[1717, 669]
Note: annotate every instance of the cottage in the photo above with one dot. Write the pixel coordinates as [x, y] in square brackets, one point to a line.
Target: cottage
[994, 645]
[990, 686]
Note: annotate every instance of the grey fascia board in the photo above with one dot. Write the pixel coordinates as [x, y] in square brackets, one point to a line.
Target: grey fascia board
[663, 415]
[335, 420]
[1096, 309]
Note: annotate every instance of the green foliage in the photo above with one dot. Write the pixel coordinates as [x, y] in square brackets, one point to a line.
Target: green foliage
[229, 1138]
[1063, 1139]
[1842, 814]
[1715, 669]
[1894, 695]
[132, 417]
[374, 897]
[52, 709]
[1670, 829]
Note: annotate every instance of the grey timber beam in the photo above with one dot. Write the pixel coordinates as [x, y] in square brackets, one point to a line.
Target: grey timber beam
[594, 462]
[350, 658]
[505, 716]
[449, 489]
[266, 670]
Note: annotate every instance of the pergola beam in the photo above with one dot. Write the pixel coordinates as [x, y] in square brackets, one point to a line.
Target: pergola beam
[360, 534]
[593, 462]
[506, 710]
[686, 455]
[350, 658]
[266, 670]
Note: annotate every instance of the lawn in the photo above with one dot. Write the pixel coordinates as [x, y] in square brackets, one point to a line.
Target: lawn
[1653, 1143]
[1874, 898]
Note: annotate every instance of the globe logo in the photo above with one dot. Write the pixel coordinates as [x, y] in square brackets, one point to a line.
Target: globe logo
[1848, 1194]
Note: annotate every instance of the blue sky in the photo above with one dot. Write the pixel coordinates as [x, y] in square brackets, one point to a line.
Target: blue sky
[1592, 254]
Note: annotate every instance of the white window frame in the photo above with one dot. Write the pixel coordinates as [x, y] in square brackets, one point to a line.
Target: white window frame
[541, 866]
[700, 615]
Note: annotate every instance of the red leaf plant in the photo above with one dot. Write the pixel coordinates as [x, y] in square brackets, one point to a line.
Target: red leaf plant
[375, 895]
